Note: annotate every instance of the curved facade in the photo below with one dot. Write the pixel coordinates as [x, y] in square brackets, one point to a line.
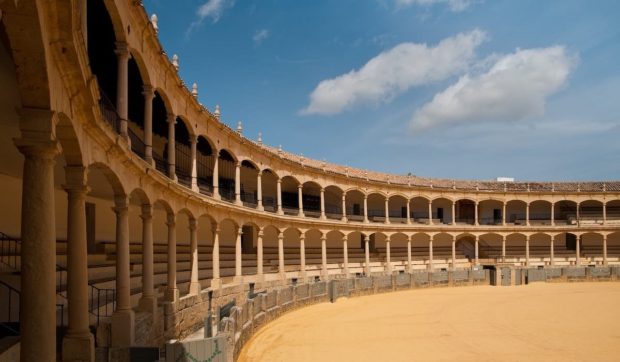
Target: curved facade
[126, 183]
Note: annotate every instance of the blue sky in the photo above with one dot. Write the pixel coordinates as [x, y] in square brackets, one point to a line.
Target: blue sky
[441, 88]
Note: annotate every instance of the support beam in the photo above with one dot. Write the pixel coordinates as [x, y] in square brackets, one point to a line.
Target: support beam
[323, 217]
[194, 285]
[171, 146]
[408, 213]
[503, 248]
[527, 214]
[172, 293]
[215, 256]
[409, 262]
[149, 95]
[281, 256]
[527, 250]
[552, 214]
[605, 249]
[430, 254]
[279, 197]
[148, 300]
[504, 213]
[122, 87]
[194, 172]
[238, 258]
[302, 256]
[453, 252]
[344, 207]
[259, 255]
[216, 177]
[388, 256]
[345, 251]
[476, 222]
[323, 257]
[552, 250]
[259, 191]
[430, 212]
[238, 183]
[477, 255]
[453, 213]
[300, 199]
[365, 208]
[387, 210]
[578, 249]
[367, 255]
[604, 213]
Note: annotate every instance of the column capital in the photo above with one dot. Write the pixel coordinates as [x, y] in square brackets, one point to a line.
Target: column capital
[366, 238]
[47, 150]
[75, 177]
[240, 230]
[193, 224]
[300, 186]
[279, 180]
[171, 118]
[281, 235]
[120, 209]
[193, 139]
[148, 92]
[122, 49]
[261, 233]
[171, 219]
[147, 212]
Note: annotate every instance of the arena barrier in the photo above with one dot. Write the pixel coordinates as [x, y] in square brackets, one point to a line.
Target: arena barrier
[213, 349]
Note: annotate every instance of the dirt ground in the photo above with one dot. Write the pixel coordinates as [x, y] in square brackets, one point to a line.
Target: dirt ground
[537, 322]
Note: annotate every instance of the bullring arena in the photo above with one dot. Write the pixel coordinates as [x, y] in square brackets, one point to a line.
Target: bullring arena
[133, 218]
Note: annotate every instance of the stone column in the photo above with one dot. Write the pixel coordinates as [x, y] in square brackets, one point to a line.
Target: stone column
[552, 214]
[408, 213]
[323, 256]
[476, 214]
[238, 183]
[215, 255]
[453, 252]
[388, 256]
[281, 270]
[171, 146]
[216, 177]
[122, 86]
[300, 200]
[344, 207]
[476, 251]
[578, 216]
[367, 254]
[172, 293]
[605, 249]
[504, 214]
[193, 142]
[238, 260]
[78, 344]
[365, 208]
[194, 285]
[453, 212]
[259, 254]
[323, 216]
[279, 196]
[552, 251]
[123, 318]
[387, 210]
[604, 213]
[302, 256]
[430, 254]
[345, 251]
[527, 214]
[409, 262]
[259, 191]
[503, 248]
[578, 250]
[527, 250]
[149, 95]
[148, 300]
[38, 248]
[430, 212]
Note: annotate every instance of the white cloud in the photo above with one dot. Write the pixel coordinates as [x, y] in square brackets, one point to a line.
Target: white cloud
[213, 9]
[260, 36]
[453, 5]
[395, 71]
[515, 87]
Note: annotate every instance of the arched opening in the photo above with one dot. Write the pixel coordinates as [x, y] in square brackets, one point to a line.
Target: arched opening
[398, 209]
[376, 207]
[442, 251]
[540, 212]
[515, 212]
[398, 246]
[160, 133]
[311, 199]
[419, 209]
[565, 212]
[420, 250]
[334, 250]
[490, 212]
[612, 212]
[269, 182]
[333, 202]
[184, 253]
[249, 184]
[182, 153]
[228, 240]
[355, 205]
[135, 109]
[206, 231]
[313, 252]
[290, 196]
[515, 249]
[591, 212]
[226, 171]
[249, 243]
[465, 212]
[205, 162]
[490, 247]
[540, 251]
[613, 248]
[270, 251]
[103, 61]
[292, 250]
[466, 246]
[442, 210]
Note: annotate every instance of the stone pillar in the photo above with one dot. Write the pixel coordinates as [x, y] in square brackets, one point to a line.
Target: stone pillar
[578, 216]
[527, 214]
[476, 251]
[122, 86]
[388, 256]
[453, 252]
[259, 191]
[367, 254]
[194, 285]
[38, 252]
[123, 318]
[527, 250]
[279, 197]
[194, 173]
[604, 213]
[552, 251]
[323, 216]
[302, 256]
[344, 207]
[148, 300]
[238, 183]
[345, 251]
[605, 249]
[300, 200]
[171, 146]
[78, 344]
[387, 210]
[503, 248]
[453, 212]
[149, 94]
[552, 214]
[430, 212]
[172, 293]
[476, 222]
[281, 270]
[215, 255]
[216, 177]
[365, 208]
[408, 213]
[504, 213]
[578, 249]
[409, 262]
[259, 254]
[323, 256]
[238, 260]
[430, 254]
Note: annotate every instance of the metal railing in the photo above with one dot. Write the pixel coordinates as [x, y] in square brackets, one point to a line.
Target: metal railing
[10, 250]
[137, 144]
[9, 319]
[108, 111]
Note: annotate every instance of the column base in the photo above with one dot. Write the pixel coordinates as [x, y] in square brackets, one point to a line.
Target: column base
[172, 295]
[148, 304]
[238, 279]
[216, 283]
[78, 348]
[123, 322]
[195, 288]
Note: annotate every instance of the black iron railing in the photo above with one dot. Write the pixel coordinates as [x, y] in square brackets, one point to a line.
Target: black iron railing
[108, 111]
[183, 164]
[10, 250]
[160, 163]
[137, 144]
[9, 317]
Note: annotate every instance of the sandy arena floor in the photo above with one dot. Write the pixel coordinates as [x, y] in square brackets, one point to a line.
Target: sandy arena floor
[538, 322]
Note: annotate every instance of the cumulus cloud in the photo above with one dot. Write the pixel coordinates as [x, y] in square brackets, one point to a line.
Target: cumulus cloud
[513, 88]
[395, 71]
[453, 5]
[260, 36]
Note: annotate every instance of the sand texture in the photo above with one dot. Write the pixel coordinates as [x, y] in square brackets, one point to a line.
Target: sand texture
[537, 322]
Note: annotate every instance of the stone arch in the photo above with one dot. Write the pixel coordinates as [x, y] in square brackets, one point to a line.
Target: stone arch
[398, 208]
[418, 206]
[333, 202]
[376, 206]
